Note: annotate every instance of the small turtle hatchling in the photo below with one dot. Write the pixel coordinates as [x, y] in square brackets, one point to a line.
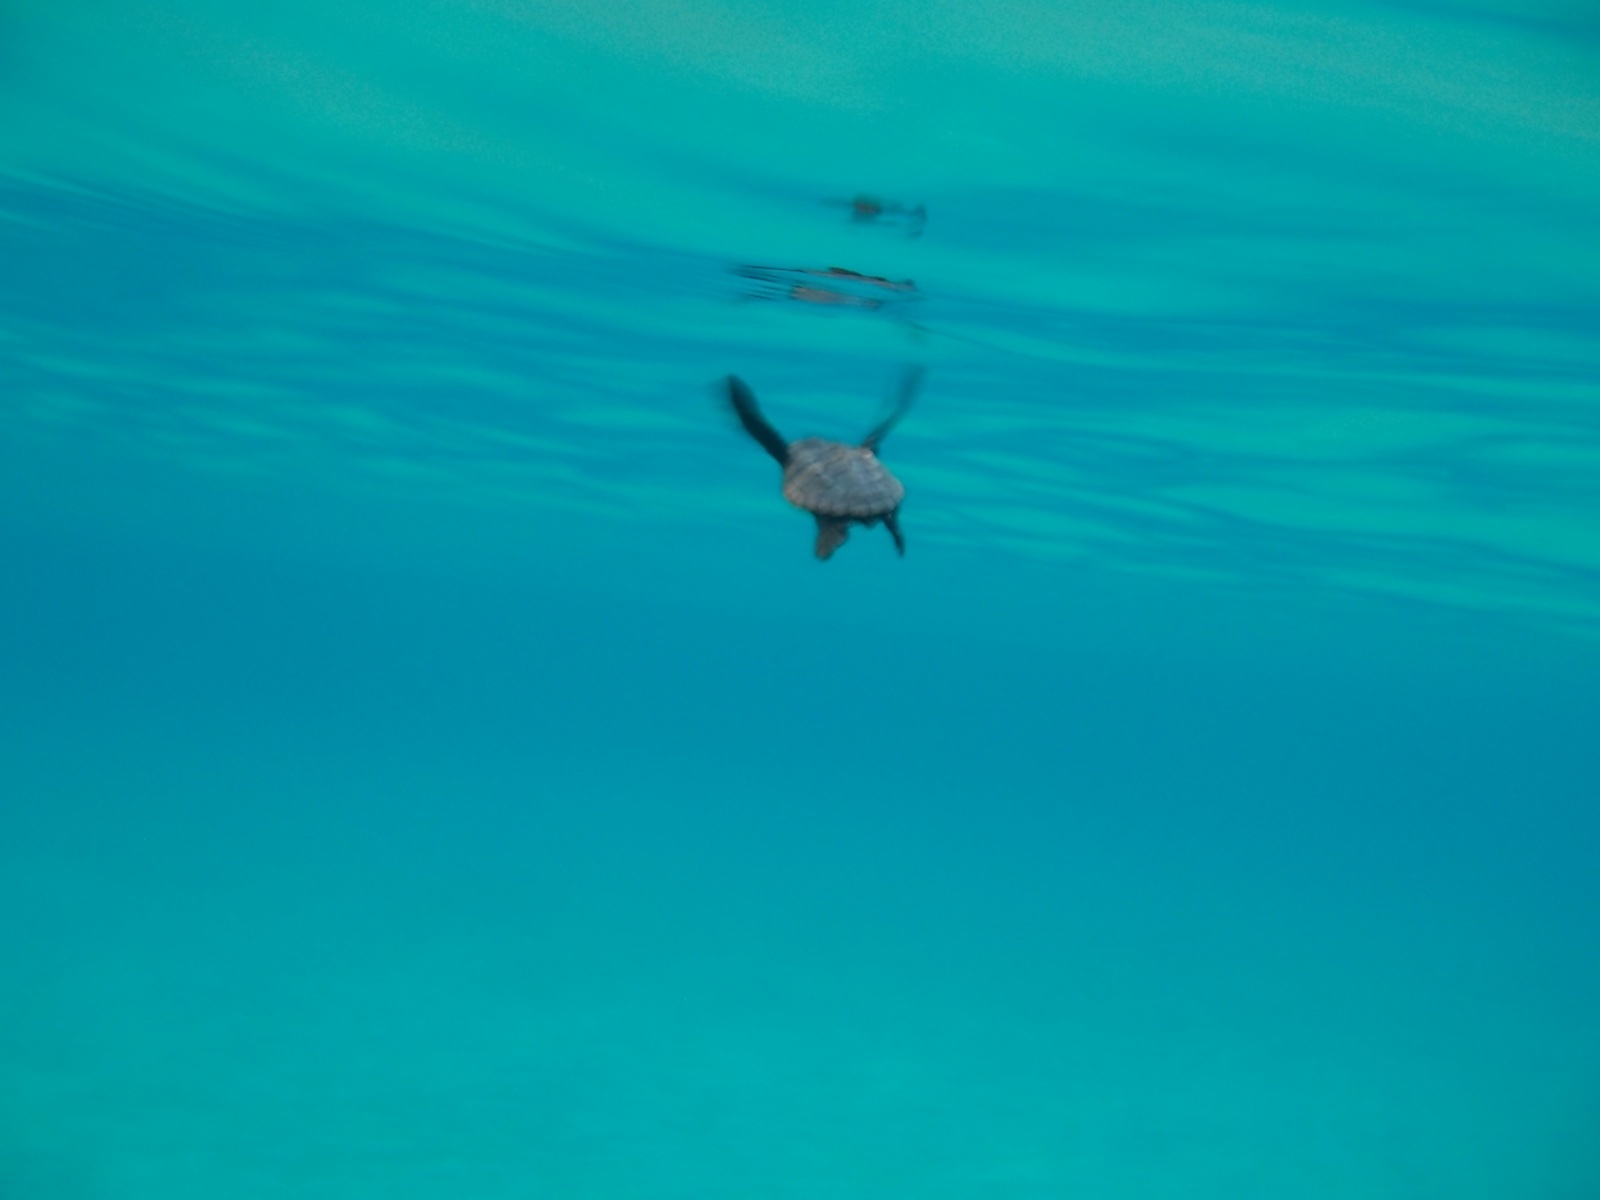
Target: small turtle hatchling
[836, 483]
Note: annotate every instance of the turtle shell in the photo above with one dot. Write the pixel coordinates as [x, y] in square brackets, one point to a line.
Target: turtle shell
[835, 480]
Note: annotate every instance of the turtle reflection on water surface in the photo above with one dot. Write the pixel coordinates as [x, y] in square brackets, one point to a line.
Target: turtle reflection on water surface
[837, 483]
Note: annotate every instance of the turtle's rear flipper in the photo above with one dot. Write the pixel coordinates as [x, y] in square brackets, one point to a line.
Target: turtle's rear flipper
[831, 534]
[749, 412]
[891, 522]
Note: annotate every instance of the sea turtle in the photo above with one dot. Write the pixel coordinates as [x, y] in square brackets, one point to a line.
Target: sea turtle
[836, 483]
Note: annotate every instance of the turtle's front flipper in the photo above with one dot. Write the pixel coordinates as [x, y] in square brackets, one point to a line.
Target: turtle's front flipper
[892, 523]
[744, 404]
[831, 534]
[910, 381]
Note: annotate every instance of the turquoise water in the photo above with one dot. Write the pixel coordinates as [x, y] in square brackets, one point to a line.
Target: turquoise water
[432, 763]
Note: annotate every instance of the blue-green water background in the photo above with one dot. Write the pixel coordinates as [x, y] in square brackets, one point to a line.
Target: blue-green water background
[431, 763]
